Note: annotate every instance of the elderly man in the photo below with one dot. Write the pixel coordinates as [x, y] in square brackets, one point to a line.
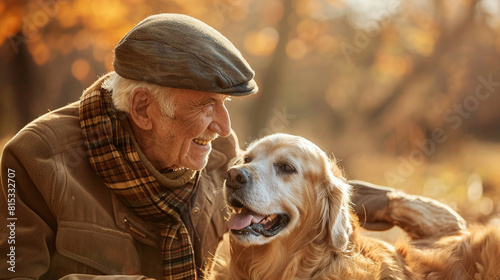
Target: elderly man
[126, 181]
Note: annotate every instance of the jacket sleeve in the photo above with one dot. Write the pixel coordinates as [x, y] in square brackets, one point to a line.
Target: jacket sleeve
[31, 180]
[30, 236]
[380, 208]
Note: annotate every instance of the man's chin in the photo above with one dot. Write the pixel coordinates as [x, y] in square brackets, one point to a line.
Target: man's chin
[197, 164]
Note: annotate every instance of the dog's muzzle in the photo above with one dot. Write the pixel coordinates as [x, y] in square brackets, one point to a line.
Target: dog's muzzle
[237, 178]
[244, 220]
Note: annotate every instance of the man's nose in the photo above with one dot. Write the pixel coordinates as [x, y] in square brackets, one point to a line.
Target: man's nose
[237, 178]
[221, 123]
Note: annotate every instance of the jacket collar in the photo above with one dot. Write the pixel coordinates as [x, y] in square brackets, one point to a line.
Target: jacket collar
[146, 232]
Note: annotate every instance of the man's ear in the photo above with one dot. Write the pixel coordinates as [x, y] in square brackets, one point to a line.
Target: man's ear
[140, 100]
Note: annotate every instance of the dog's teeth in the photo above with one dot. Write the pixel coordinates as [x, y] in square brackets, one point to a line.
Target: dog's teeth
[268, 219]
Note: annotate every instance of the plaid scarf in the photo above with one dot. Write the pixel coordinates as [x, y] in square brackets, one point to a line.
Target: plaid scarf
[114, 156]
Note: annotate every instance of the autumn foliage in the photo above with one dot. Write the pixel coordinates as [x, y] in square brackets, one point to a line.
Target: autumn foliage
[405, 93]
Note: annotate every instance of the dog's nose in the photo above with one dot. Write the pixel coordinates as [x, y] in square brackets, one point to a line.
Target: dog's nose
[237, 178]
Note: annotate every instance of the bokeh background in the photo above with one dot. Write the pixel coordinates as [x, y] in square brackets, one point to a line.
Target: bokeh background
[403, 93]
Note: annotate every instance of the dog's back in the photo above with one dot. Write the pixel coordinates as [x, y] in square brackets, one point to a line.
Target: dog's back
[474, 254]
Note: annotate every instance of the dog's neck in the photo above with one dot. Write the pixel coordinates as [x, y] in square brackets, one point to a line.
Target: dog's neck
[299, 256]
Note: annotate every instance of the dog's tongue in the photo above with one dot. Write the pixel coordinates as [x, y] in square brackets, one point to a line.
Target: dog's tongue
[245, 218]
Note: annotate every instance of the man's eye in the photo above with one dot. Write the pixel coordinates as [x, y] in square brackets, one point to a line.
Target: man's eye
[208, 108]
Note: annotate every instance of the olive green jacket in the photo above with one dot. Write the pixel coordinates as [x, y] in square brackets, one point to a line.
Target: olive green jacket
[64, 221]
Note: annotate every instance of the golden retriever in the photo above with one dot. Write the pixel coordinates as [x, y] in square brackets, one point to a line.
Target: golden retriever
[292, 219]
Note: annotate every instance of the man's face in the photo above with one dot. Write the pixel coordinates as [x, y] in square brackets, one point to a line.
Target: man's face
[184, 141]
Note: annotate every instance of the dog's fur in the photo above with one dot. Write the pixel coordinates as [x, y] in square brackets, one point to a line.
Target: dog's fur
[289, 174]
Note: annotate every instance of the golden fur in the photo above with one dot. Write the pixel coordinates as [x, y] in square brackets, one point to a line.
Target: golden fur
[321, 240]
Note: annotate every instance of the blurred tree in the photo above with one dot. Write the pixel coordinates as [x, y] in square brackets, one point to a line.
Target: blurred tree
[52, 49]
[272, 76]
[373, 81]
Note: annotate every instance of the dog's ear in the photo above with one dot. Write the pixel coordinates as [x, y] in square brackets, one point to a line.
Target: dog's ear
[337, 210]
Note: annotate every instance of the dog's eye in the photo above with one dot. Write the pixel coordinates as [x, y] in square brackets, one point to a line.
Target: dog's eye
[286, 168]
[247, 159]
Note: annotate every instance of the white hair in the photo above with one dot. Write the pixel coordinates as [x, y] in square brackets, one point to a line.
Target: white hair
[121, 88]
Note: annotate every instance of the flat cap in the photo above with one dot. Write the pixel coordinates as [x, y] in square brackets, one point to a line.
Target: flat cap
[179, 51]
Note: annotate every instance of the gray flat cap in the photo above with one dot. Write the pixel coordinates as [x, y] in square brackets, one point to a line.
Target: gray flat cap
[179, 51]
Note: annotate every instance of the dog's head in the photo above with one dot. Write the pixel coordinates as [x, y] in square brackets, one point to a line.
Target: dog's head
[283, 185]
